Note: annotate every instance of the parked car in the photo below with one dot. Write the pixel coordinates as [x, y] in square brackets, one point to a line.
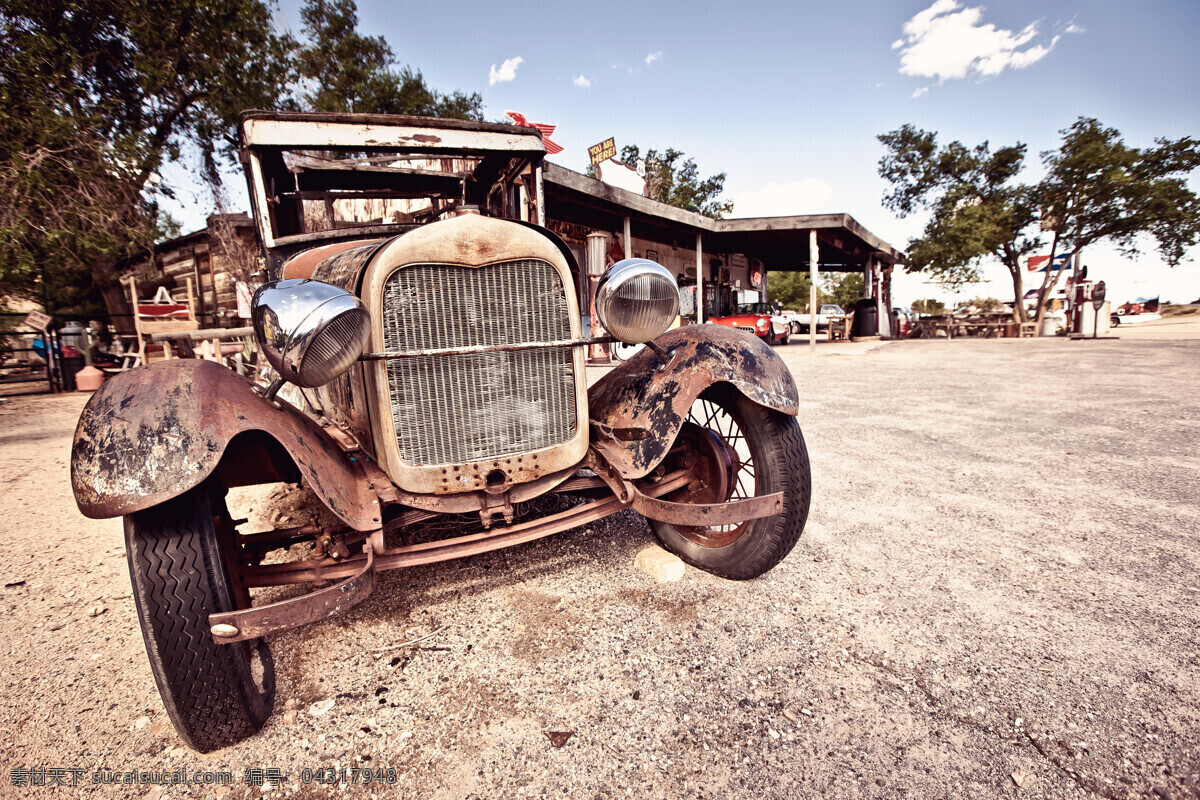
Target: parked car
[800, 322]
[428, 325]
[758, 319]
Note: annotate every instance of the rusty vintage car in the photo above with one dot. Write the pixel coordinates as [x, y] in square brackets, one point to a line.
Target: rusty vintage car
[428, 330]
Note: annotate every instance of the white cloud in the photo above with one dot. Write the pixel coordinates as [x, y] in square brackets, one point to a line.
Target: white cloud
[948, 41]
[507, 71]
[808, 196]
[655, 56]
[582, 82]
[1073, 28]
[920, 91]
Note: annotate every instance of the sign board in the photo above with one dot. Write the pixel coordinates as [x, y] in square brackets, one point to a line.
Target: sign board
[605, 150]
[1098, 295]
[38, 320]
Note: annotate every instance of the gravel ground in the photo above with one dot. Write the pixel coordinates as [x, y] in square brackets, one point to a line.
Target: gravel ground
[997, 596]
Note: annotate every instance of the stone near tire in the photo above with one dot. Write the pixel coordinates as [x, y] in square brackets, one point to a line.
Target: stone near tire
[214, 694]
[764, 453]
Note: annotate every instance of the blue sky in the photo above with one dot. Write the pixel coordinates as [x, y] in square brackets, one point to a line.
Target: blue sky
[787, 98]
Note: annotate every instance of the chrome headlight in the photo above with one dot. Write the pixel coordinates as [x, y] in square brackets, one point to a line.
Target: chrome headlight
[637, 300]
[310, 331]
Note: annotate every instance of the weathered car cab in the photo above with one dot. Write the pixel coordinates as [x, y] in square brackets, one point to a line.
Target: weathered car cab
[428, 326]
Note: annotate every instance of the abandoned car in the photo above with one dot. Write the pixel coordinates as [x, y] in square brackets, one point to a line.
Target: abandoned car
[428, 328]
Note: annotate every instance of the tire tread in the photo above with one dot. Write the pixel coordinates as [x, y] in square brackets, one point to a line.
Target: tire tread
[202, 684]
[770, 545]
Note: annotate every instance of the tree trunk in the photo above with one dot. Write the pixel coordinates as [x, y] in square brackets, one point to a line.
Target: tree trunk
[1047, 284]
[1013, 262]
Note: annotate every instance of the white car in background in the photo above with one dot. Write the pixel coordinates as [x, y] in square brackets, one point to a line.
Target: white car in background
[800, 322]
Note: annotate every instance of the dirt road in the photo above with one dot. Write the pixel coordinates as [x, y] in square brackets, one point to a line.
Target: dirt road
[998, 595]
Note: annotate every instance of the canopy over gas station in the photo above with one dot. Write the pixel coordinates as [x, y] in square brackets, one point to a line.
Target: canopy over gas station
[724, 253]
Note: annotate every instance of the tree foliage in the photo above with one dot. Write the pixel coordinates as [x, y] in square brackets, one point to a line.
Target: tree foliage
[95, 95]
[985, 304]
[846, 289]
[929, 307]
[1098, 188]
[674, 180]
[977, 209]
[791, 289]
[343, 70]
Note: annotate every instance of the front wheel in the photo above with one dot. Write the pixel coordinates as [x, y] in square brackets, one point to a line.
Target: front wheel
[738, 449]
[215, 694]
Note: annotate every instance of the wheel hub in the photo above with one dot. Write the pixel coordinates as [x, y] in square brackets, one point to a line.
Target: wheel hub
[712, 462]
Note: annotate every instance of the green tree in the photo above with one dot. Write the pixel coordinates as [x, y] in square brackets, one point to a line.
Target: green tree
[672, 179]
[977, 209]
[845, 290]
[95, 96]
[986, 304]
[343, 70]
[929, 307]
[1098, 188]
[791, 289]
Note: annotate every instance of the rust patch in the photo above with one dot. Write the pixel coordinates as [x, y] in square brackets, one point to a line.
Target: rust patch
[637, 395]
[305, 263]
[343, 268]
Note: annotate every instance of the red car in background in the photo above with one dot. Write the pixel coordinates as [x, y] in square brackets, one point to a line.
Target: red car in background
[759, 319]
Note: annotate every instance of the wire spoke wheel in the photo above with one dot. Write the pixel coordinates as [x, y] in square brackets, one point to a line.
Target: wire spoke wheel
[737, 449]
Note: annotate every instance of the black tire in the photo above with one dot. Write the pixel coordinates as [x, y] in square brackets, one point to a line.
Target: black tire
[773, 459]
[214, 694]
[786, 336]
[1115, 320]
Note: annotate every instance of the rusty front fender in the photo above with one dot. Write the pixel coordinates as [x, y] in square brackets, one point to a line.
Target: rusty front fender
[153, 433]
[637, 410]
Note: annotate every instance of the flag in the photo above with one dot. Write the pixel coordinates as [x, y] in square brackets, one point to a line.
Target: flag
[1038, 263]
[552, 148]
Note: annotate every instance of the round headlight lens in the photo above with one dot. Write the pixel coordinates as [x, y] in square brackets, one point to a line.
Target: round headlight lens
[310, 331]
[637, 300]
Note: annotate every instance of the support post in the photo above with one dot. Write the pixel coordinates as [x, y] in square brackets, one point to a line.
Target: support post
[628, 240]
[813, 256]
[541, 196]
[699, 278]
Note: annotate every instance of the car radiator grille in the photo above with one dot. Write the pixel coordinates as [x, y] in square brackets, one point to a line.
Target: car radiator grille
[471, 407]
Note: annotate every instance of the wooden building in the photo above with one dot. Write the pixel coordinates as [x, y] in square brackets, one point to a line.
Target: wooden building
[214, 258]
[720, 257]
